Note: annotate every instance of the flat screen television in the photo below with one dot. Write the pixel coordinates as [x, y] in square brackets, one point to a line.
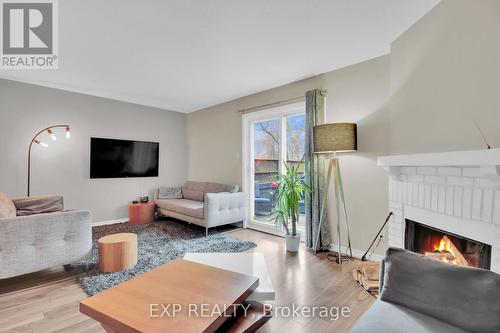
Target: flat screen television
[111, 158]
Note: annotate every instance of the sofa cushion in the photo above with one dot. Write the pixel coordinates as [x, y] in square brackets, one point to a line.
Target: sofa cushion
[197, 190]
[392, 318]
[192, 208]
[218, 187]
[194, 190]
[462, 296]
[7, 207]
[39, 204]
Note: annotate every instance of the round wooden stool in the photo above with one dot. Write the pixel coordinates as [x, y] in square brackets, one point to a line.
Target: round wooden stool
[117, 252]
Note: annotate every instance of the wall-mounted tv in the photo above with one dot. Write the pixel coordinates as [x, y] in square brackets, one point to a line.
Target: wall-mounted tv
[111, 158]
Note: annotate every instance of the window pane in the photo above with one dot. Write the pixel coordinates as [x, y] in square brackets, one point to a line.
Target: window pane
[266, 163]
[295, 136]
[267, 139]
[295, 148]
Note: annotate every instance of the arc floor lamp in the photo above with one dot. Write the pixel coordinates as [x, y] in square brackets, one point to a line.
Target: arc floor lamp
[50, 132]
[332, 139]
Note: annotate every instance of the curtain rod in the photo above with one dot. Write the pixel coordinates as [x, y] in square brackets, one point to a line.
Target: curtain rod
[265, 106]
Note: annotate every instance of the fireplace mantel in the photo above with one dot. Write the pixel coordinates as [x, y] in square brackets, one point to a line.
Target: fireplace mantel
[487, 160]
[463, 158]
[457, 192]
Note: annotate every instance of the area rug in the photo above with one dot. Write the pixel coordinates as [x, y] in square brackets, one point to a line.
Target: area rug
[158, 243]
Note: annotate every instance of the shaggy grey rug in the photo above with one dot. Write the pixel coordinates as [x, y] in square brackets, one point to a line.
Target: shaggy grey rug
[158, 243]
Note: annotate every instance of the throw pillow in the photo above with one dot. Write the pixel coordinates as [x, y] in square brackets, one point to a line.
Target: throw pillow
[462, 296]
[170, 193]
[7, 207]
[39, 204]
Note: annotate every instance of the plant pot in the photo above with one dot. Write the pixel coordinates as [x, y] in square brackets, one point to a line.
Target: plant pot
[292, 243]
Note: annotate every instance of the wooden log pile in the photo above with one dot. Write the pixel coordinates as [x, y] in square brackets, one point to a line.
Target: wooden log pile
[367, 275]
[449, 253]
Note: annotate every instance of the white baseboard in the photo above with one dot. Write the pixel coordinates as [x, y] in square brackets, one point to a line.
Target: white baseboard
[123, 220]
[266, 229]
[358, 253]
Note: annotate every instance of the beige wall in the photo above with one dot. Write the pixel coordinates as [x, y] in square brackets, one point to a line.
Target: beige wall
[63, 167]
[445, 74]
[357, 93]
[442, 75]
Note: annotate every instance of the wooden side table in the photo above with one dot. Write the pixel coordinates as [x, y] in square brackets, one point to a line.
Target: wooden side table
[141, 213]
[117, 252]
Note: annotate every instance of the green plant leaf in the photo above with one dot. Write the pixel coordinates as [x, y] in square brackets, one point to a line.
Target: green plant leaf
[290, 191]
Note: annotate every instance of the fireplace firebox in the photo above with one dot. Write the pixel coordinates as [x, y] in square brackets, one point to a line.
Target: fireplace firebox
[445, 246]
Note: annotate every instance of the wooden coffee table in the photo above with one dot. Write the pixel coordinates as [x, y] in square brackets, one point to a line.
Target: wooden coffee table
[249, 263]
[126, 307]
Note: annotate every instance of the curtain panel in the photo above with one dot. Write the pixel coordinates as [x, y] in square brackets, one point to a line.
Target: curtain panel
[315, 172]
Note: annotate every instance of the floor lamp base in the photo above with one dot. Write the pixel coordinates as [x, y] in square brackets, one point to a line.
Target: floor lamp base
[334, 256]
[333, 163]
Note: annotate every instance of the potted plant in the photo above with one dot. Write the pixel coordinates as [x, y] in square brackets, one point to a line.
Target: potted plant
[290, 190]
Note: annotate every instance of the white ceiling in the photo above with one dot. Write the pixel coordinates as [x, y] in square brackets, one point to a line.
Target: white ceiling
[184, 55]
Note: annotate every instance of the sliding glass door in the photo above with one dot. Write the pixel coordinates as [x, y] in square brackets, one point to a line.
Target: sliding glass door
[271, 138]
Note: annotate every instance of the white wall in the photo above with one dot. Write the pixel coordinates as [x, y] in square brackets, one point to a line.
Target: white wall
[445, 74]
[63, 168]
[357, 93]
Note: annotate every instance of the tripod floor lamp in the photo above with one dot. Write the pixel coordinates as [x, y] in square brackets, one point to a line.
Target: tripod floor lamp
[43, 144]
[332, 139]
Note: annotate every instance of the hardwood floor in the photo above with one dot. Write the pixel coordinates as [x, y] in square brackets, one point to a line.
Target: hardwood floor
[48, 301]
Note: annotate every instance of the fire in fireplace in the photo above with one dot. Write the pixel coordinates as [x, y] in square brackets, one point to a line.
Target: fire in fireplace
[445, 246]
[446, 251]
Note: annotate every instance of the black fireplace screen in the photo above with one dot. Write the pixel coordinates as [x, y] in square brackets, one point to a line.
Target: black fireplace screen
[426, 240]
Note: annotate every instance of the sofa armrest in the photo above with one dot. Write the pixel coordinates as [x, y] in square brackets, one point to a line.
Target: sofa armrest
[224, 208]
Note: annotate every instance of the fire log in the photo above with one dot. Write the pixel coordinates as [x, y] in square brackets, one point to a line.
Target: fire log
[450, 253]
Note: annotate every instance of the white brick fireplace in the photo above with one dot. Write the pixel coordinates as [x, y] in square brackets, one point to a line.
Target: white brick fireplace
[458, 192]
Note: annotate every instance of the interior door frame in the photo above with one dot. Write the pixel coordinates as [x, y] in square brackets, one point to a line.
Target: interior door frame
[248, 167]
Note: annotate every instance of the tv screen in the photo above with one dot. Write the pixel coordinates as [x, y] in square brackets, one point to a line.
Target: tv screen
[110, 158]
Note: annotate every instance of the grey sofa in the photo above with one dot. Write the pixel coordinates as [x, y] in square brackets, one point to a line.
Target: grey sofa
[420, 294]
[36, 242]
[203, 203]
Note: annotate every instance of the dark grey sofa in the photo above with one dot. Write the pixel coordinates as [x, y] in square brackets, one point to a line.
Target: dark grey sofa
[419, 294]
